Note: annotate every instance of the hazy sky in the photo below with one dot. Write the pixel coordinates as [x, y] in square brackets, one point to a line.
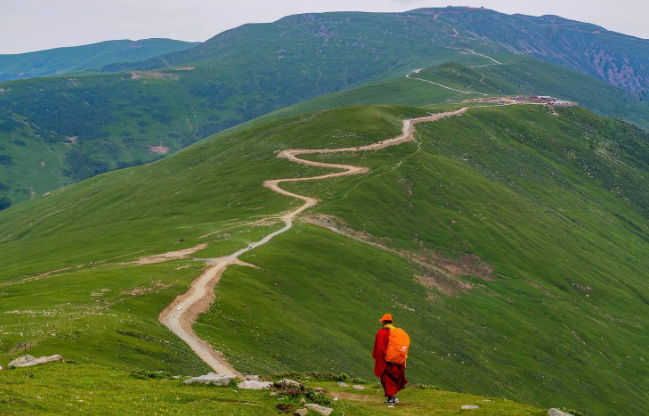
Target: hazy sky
[29, 25]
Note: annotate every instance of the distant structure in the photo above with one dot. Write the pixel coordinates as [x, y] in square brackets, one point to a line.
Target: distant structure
[555, 102]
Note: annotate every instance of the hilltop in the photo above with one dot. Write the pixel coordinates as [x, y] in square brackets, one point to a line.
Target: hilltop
[78, 58]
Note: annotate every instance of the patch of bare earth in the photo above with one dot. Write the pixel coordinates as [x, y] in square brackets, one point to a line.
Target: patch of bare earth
[437, 272]
[135, 75]
[159, 149]
[172, 255]
[142, 290]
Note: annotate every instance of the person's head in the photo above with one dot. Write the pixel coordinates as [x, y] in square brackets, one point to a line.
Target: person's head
[386, 319]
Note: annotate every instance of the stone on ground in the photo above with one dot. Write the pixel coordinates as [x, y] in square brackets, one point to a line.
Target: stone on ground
[212, 378]
[255, 385]
[29, 361]
[301, 412]
[341, 384]
[557, 412]
[288, 382]
[324, 411]
[357, 387]
[470, 406]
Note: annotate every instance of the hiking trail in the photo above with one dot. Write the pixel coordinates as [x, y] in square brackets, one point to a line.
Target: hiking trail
[181, 313]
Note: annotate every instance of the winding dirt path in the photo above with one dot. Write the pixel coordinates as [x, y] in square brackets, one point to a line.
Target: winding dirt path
[180, 315]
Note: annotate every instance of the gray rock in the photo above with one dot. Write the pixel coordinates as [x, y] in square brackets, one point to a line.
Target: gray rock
[470, 406]
[324, 411]
[251, 378]
[301, 412]
[357, 387]
[289, 382]
[255, 385]
[213, 379]
[557, 412]
[341, 384]
[29, 361]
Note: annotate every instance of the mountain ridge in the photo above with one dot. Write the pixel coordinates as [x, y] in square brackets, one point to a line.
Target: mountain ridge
[57, 61]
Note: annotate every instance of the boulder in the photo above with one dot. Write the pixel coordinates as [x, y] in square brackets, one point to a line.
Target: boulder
[357, 387]
[255, 385]
[288, 382]
[324, 411]
[301, 412]
[557, 412]
[341, 384]
[29, 361]
[470, 406]
[213, 379]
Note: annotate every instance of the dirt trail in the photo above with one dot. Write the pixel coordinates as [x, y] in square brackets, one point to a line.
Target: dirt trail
[180, 315]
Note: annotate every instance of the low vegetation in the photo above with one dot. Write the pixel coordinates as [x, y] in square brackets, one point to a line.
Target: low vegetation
[87, 389]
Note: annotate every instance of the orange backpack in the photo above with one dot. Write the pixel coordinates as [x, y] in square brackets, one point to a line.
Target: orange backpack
[398, 345]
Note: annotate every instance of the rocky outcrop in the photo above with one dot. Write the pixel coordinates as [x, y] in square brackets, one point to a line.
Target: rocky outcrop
[324, 411]
[213, 379]
[301, 412]
[29, 361]
[557, 412]
[341, 384]
[288, 382]
[255, 385]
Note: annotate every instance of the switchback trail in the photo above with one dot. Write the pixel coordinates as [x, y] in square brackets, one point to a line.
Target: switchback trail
[180, 315]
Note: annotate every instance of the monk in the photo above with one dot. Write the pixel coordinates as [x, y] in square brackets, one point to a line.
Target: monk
[393, 376]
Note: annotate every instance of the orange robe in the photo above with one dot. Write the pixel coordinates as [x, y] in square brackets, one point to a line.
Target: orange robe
[393, 376]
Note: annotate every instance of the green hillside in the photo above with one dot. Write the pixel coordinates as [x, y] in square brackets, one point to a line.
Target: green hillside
[337, 38]
[55, 131]
[46, 391]
[534, 76]
[511, 244]
[77, 58]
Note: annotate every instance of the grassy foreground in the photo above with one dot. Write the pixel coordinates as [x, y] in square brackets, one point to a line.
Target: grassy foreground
[64, 389]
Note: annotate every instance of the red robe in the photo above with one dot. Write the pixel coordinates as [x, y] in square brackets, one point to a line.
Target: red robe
[393, 376]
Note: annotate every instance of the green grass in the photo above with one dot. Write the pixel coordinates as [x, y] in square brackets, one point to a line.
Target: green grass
[555, 205]
[64, 389]
[115, 117]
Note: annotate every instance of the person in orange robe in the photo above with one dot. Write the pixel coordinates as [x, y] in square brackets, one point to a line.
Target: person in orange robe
[393, 376]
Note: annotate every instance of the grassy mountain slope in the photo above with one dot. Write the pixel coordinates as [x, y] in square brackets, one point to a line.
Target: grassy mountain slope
[54, 131]
[130, 117]
[77, 58]
[534, 76]
[104, 391]
[616, 58]
[510, 243]
[60, 130]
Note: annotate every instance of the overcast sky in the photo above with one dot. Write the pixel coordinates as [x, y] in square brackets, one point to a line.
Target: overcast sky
[29, 25]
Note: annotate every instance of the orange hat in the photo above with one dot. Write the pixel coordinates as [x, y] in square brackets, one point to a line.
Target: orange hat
[386, 317]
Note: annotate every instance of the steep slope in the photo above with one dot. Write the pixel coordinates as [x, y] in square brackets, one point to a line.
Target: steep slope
[76, 58]
[510, 242]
